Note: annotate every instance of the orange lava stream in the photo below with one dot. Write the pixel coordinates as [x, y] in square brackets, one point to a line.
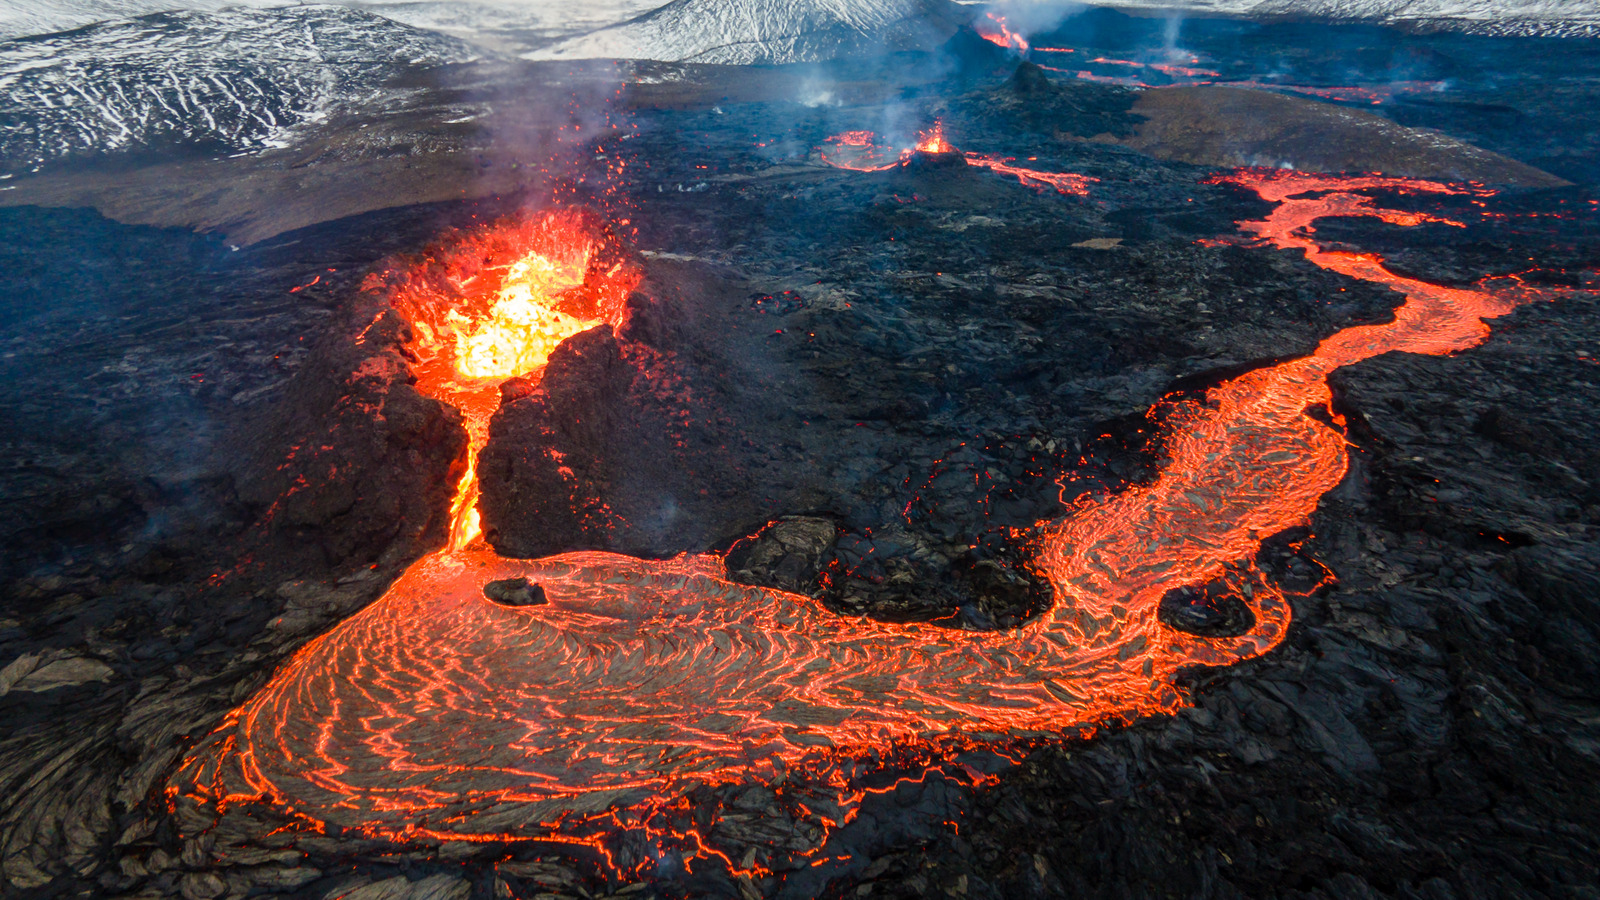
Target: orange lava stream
[1250, 462]
[859, 151]
[437, 713]
[1166, 68]
[1062, 182]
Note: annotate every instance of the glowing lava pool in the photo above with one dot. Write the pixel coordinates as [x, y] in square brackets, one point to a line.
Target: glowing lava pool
[438, 714]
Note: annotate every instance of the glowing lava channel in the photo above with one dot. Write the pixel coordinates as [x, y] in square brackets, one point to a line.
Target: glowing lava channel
[435, 713]
[861, 151]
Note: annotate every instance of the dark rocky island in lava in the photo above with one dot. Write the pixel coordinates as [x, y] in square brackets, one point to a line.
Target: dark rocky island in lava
[832, 450]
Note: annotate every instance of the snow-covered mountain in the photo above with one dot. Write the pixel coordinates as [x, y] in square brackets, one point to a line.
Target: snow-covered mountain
[1530, 17]
[767, 31]
[509, 25]
[228, 81]
[495, 23]
[21, 18]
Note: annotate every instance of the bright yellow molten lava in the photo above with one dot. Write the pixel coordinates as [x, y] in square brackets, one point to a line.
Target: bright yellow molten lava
[516, 337]
[493, 304]
[523, 326]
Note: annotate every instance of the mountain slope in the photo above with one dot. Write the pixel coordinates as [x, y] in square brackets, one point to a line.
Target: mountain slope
[231, 81]
[20, 18]
[767, 31]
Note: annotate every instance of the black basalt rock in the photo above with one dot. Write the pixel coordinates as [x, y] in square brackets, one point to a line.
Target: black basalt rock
[789, 554]
[998, 587]
[544, 439]
[1210, 610]
[646, 321]
[514, 389]
[515, 592]
[354, 461]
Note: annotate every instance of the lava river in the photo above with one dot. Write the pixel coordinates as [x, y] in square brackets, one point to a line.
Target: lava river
[438, 713]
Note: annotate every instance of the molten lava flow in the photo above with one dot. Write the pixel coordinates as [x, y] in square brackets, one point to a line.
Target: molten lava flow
[436, 713]
[523, 326]
[1175, 71]
[514, 338]
[1062, 182]
[860, 151]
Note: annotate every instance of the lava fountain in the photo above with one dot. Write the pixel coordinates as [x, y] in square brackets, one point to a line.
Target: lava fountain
[934, 141]
[437, 714]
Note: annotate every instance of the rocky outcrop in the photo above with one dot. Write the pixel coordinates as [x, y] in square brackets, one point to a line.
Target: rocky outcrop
[365, 465]
[620, 448]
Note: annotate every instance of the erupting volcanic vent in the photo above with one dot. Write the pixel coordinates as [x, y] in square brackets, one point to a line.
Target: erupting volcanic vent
[997, 31]
[438, 714]
[862, 152]
[493, 305]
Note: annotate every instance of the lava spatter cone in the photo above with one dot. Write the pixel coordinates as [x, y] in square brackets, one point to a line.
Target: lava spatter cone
[934, 152]
[932, 161]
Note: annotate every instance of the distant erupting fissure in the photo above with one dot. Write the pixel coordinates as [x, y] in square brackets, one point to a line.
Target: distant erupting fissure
[862, 151]
[436, 714]
[1185, 73]
[996, 30]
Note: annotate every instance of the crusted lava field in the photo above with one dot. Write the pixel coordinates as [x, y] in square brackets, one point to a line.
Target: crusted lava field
[1017, 515]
